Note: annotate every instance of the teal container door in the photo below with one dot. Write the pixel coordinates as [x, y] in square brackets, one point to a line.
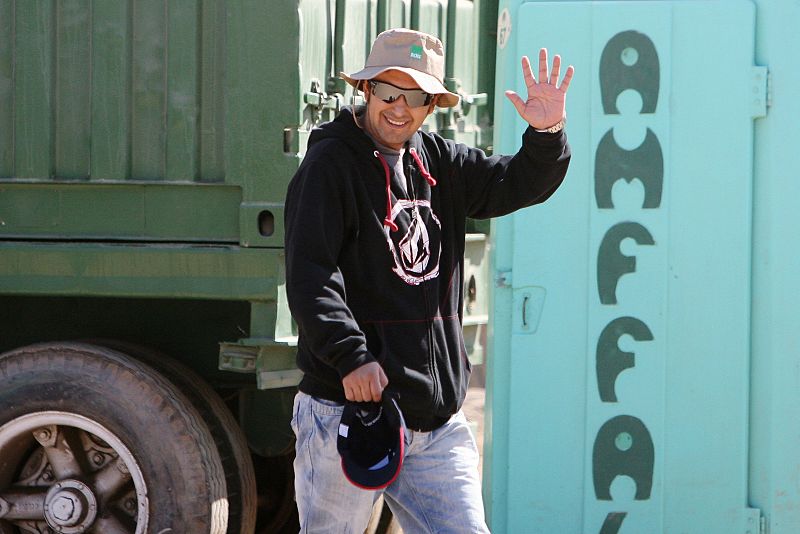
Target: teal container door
[621, 337]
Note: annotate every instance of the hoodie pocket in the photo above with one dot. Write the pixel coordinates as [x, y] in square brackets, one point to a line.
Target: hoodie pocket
[402, 350]
[453, 366]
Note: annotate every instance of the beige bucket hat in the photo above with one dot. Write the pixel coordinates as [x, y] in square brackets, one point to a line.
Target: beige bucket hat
[418, 54]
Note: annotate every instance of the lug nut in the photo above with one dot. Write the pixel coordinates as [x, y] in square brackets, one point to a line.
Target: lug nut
[122, 466]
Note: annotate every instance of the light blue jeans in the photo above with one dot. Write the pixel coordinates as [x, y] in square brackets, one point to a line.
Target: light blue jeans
[438, 489]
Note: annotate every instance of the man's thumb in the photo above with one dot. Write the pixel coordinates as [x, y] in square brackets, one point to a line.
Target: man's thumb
[519, 104]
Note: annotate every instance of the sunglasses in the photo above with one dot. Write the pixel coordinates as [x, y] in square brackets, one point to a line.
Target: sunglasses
[389, 93]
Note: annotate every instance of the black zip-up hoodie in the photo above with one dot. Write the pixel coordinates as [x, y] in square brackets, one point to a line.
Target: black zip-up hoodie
[374, 269]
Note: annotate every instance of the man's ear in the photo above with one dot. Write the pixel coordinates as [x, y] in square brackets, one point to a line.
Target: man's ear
[363, 86]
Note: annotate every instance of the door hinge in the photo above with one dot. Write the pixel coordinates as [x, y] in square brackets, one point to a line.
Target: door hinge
[761, 91]
[755, 523]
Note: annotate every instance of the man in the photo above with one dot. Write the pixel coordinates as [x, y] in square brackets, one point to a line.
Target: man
[375, 223]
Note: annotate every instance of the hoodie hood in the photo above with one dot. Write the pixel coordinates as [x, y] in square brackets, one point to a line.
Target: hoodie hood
[345, 128]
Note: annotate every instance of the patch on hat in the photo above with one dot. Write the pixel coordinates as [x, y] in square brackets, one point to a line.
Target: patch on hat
[371, 442]
[416, 52]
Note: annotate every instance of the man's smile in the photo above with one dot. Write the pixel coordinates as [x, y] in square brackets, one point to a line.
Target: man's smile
[396, 123]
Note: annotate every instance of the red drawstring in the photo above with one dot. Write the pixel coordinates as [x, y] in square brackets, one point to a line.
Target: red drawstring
[387, 221]
[430, 179]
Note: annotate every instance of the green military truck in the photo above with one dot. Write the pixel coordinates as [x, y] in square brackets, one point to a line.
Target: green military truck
[147, 369]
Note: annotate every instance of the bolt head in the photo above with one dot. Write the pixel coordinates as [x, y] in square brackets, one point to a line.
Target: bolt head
[63, 507]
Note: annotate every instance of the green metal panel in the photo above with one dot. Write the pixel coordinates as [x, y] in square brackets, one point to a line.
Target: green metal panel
[166, 212]
[212, 91]
[464, 40]
[316, 35]
[262, 90]
[120, 85]
[397, 14]
[356, 33]
[72, 104]
[176, 271]
[463, 47]
[6, 88]
[183, 94]
[154, 91]
[110, 91]
[33, 98]
[148, 92]
[430, 16]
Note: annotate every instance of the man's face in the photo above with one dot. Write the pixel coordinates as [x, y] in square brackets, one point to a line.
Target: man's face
[394, 124]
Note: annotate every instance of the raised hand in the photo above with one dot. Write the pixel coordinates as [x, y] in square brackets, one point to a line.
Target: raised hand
[546, 102]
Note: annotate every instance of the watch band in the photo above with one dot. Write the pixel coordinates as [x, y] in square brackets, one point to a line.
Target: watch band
[557, 127]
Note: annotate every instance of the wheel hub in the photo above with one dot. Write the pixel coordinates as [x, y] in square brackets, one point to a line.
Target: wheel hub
[70, 507]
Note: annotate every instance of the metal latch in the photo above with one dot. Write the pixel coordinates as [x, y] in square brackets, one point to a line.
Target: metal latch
[761, 91]
[318, 99]
[467, 101]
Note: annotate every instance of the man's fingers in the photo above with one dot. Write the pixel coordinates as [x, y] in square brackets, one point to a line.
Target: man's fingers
[527, 72]
[365, 384]
[556, 70]
[543, 65]
[567, 78]
[376, 390]
[366, 393]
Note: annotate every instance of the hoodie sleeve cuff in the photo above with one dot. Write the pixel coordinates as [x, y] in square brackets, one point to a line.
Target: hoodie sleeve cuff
[348, 365]
[543, 144]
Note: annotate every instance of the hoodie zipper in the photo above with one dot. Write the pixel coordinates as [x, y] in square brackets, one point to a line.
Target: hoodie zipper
[431, 354]
[424, 286]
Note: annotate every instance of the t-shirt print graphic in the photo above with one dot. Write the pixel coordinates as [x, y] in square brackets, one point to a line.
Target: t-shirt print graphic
[415, 248]
[416, 251]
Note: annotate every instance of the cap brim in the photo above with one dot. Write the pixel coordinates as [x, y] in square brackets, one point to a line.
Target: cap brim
[426, 82]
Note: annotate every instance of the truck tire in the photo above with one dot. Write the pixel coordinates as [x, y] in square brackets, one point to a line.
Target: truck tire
[94, 441]
[240, 479]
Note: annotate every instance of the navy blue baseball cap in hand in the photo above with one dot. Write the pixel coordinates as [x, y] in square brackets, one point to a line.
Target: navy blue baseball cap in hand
[371, 442]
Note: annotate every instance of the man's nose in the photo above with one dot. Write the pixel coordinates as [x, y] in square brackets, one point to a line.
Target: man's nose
[400, 101]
